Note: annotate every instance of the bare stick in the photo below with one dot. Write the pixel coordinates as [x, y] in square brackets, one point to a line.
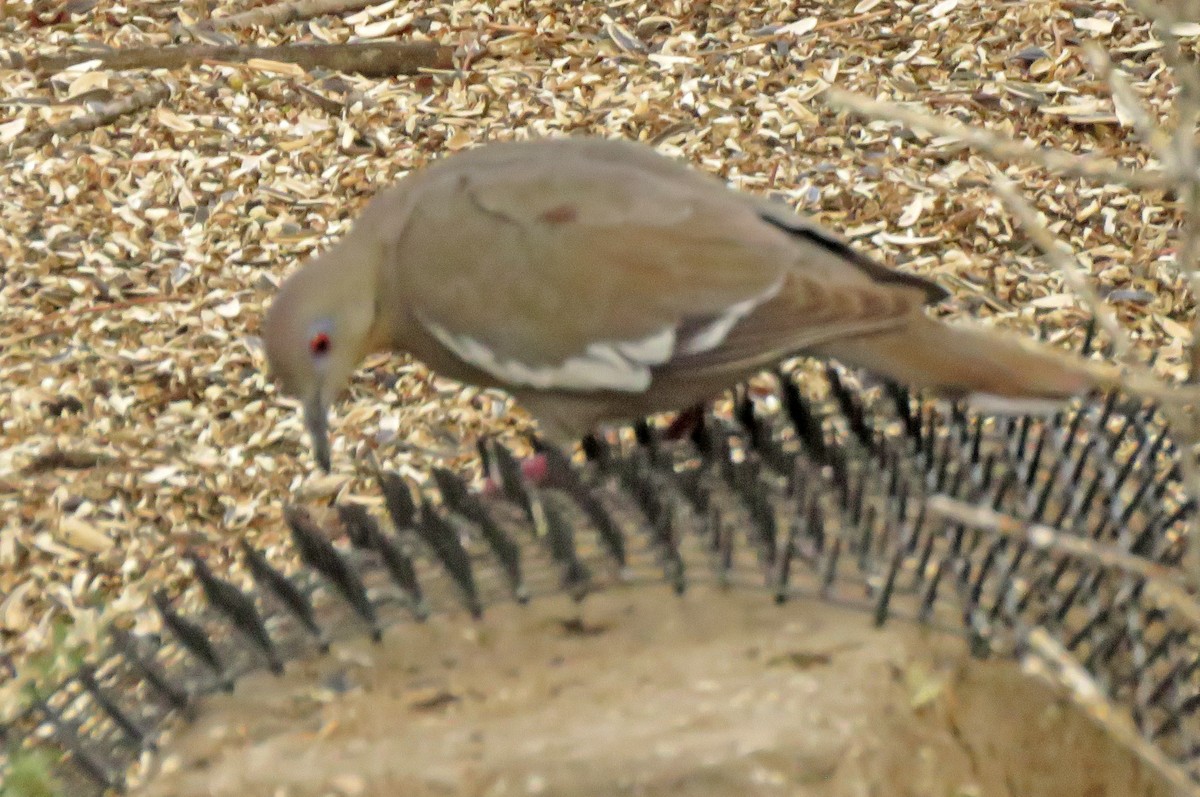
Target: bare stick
[1088, 167]
[1055, 662]
[282, 13]
[373, 59]
[1063, 260]
[1183, 164]
[1137, 379]
[1165, 586]
[108, 112]
[1130, 106]
[843, 22]
[1048, 538]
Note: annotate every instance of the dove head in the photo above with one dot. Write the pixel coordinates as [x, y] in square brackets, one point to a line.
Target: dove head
[319, 327]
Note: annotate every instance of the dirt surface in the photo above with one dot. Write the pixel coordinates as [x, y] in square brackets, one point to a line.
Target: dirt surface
[648, 694]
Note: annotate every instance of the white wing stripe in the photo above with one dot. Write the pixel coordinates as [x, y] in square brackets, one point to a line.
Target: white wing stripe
[623, 366]
[653, 350]
[715, 333]
[617, 365]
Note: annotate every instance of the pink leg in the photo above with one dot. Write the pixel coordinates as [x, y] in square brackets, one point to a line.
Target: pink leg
[534, 470]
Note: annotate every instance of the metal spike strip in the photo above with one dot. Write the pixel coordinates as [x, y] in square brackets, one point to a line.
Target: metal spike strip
[239, 609]
[319, 554]
[819, 492]
[364, 532]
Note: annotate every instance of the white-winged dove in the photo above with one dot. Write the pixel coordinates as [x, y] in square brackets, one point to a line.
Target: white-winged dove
[599, 281]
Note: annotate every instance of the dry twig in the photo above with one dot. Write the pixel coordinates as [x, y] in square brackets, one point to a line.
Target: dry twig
[1139, 380]
[108, 112]
[1178, 172]
[1089, 167]
[1061, 258]
[1163, 584]
[1049, 659]
[282, 13]
[372, 59]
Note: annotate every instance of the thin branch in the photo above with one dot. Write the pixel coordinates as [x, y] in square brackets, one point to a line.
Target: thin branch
[1088, 167]
[1048, 538]
[842, 22]
[105, 114]
[49, 324]
[1174, 400]
[1165, 586]
[1181, 156]
[1063, 260]
[1131, 107]
[372, 59]
[282, 13]
[1055, 662]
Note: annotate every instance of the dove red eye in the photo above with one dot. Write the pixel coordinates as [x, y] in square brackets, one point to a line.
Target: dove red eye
[319, 344]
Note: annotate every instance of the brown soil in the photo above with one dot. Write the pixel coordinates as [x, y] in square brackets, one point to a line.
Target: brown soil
[647, 694]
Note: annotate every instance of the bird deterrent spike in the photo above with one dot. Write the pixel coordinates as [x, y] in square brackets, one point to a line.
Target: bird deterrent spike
[398, 499]
[596, 449]
[320, 555]
[443, 540]
[192, 636]
[281, 587]
[238, 608]
[504, 470]
[126, 644]
[130, 727]
[883, 600]
[459, 499]
[575, 578]
[902, 402]
[362, 528]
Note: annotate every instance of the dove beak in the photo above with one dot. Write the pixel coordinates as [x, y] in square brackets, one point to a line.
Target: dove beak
[316, 419]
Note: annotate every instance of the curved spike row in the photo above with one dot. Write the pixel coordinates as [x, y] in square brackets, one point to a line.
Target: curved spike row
[826, 497]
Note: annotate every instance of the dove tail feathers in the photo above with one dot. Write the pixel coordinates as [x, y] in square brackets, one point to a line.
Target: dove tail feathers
[989, 368]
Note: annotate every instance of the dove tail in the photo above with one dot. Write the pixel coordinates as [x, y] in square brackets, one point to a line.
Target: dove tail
[985, 366]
